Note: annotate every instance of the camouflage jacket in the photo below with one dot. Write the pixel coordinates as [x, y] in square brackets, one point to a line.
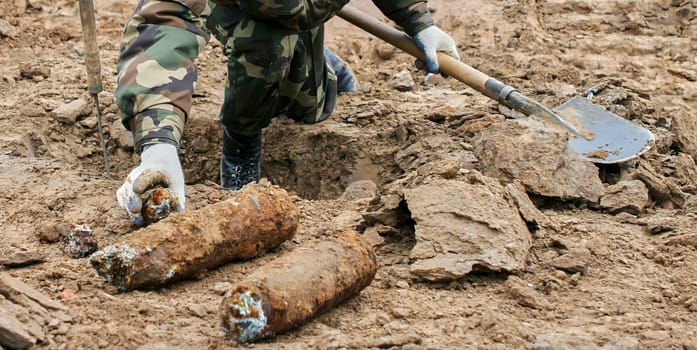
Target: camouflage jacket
[159, 44]
[300, 15]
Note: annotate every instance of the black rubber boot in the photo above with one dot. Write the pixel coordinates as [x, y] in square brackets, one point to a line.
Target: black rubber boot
[346, 81]
[240, 159]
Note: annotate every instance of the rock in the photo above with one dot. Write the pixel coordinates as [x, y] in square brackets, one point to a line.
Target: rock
[222, 287]
[489, 319]
[34, 70]
[11, 287]
[47, 233]
[390, 341]
[630, 196]
[360, 190]
[445, 168]
[573, 261]
[557, 341]
[462, 226]
[123, 137]
[400, 312]
[622, 344]
[79, 242]
[22, 259]
[538, 155]
[527, 209]
[21, 4]
[685, 130]
[24, 311]
[372, 236]
[13, 333]
[67, 295]
[69, 112]
[388, 211]
[524, 294]
[6, 29]
[200, 144]
[89, 122]
[475, 126]
[197, 310]
[402, 81]
[385, 51]
[348, 218]
[660, 187]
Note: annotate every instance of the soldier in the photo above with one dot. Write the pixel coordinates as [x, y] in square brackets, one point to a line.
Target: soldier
[277, 64]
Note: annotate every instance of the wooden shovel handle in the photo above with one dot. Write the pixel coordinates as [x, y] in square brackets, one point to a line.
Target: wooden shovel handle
[448, 65]
[89, 36]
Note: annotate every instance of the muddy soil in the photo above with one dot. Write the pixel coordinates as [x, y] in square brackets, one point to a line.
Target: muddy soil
[596, 276]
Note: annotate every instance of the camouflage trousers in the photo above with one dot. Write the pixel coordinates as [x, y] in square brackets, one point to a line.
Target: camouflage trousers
[272, 69]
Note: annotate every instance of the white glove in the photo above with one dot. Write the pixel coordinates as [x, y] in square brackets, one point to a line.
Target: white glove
[159, 164]
[432, 40]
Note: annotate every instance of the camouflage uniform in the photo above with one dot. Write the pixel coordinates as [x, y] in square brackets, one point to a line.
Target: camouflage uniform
[275, 61]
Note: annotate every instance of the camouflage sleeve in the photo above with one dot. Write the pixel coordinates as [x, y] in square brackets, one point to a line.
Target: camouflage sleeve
[412, 15]
[156, 71]
[297, 15]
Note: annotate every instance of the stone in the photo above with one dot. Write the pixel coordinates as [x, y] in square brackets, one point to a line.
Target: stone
[402, 81]
[463, 226]
[200, 144]
[684, 128]
[34, 70]
[361, 189]
[622, 344]
[372, 236]
[7, 30]
[21, 5]
[25, 311]
[390, 341]
[10, 286]
[197, 310]
[629, 196]
[539, 156]
[446, 168]
[385, 51]
[573, 261]
[222, 287]
[13, 333]
[89, 122]
[515, 191]
[47, 233]
[660, 187]
[69, 112]
[21, 259]
[519, 290]
[557, 341]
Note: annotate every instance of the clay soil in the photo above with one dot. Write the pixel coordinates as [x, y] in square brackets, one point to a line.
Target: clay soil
[636, 289]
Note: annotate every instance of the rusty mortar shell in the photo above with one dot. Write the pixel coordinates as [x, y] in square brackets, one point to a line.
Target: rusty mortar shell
[294, 288]
[257, 218]
[158, 203]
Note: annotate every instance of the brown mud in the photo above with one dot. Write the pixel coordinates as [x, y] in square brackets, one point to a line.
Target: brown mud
[596, 275]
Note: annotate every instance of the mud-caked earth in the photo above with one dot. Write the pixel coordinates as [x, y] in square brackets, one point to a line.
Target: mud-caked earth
[488, 230]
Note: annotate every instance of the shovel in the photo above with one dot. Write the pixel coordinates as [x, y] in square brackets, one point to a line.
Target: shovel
[596, 134]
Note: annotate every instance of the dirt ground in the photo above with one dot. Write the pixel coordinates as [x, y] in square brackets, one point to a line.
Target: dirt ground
[636, 288]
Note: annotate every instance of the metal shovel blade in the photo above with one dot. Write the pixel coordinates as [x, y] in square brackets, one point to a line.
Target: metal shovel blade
[611, 138]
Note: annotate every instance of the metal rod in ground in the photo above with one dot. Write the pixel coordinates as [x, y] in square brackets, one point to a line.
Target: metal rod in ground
[101, 137]
[259, 217]
[292, 289]
[93, 65]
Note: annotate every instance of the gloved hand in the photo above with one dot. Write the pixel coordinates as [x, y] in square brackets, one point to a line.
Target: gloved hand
[432, 40]
[159, 164]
